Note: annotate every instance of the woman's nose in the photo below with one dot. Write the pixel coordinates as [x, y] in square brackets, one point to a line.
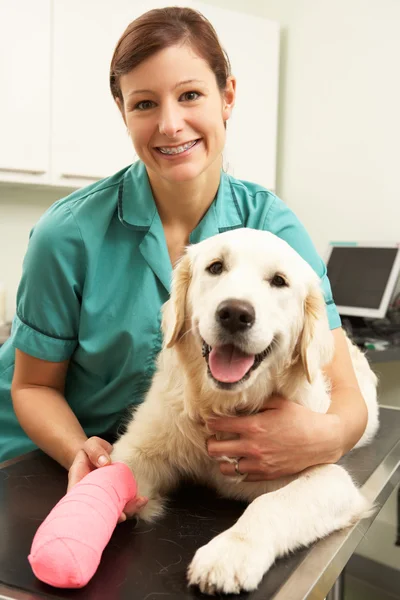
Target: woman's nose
[171, 121]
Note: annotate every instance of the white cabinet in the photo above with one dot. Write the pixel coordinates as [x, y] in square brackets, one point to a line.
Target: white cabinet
[58, 121]
[89, 137]
[25, 56]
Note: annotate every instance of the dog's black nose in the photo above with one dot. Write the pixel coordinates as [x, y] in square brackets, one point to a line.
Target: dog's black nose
[235, 315]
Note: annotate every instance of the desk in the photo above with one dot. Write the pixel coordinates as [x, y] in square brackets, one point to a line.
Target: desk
[390, 354]
[148, 562]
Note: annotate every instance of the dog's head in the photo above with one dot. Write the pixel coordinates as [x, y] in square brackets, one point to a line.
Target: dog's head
[244, 301]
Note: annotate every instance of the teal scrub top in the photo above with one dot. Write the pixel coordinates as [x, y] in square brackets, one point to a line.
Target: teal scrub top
[95, 275]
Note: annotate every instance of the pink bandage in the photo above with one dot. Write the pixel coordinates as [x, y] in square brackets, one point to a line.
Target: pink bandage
[68, 545]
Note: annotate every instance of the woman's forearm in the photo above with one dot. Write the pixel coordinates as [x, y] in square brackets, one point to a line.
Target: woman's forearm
[348, 405]
[335, 433]
[47, 419]
[348, 411]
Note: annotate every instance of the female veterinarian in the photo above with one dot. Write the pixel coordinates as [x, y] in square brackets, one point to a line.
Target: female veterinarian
[98, 267]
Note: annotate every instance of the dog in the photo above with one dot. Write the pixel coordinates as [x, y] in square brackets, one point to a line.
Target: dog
[246, 319]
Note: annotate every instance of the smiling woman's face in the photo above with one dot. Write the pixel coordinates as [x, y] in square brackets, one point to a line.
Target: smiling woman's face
[175, 114]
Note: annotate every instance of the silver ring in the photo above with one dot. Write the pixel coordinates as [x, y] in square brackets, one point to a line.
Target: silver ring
[237, 470]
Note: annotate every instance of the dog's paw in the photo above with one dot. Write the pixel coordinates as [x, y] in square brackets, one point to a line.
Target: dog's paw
[229, 564]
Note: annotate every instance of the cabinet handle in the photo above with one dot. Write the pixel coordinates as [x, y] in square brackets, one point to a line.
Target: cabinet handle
[75, 176]
[27, 171]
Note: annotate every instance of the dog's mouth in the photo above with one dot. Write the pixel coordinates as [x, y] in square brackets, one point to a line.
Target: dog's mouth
[228, 365]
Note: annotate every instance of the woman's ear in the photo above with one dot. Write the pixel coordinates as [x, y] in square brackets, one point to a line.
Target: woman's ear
[174, 311]
[228, 98]
[316, 343]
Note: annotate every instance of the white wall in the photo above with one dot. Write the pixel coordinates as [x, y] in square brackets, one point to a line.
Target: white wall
[339, 124]
[20, 208]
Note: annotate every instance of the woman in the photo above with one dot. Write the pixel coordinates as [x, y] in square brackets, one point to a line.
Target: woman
[98, 267]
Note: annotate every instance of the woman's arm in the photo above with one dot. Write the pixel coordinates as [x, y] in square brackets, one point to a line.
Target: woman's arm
[44, 414]
[286, 437]
[42, 411]
[347, 402]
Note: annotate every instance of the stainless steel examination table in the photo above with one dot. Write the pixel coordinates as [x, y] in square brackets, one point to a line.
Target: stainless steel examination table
[148, 562]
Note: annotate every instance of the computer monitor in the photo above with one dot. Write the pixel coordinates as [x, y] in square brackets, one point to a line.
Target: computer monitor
[363, 277]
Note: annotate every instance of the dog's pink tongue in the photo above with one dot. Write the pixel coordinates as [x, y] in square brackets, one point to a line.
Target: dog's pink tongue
[228, 364]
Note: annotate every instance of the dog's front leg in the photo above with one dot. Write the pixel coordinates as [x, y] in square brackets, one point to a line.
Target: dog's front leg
[320, 501]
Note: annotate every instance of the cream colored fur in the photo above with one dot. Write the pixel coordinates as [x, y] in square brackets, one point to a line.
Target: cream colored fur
[166, 438]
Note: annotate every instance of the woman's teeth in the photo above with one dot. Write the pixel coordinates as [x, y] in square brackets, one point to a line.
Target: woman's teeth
[177, 149]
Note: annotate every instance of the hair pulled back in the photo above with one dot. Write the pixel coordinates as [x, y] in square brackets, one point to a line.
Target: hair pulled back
[161, 28]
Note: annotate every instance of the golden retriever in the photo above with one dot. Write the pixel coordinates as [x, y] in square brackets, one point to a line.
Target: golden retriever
[246, 319]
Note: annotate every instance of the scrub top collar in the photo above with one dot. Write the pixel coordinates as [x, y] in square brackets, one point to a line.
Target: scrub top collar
[137, 210]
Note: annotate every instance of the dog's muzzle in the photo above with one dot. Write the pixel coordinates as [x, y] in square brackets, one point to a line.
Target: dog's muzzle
[229, 366]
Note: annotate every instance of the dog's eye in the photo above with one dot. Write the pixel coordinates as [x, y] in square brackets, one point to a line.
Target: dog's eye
[216, 268]
[278, 281]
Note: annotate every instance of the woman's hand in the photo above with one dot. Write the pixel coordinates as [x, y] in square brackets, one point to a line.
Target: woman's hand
[283, 439]
[95, 453]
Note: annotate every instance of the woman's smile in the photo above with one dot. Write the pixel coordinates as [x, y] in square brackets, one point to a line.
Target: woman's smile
[179, 151]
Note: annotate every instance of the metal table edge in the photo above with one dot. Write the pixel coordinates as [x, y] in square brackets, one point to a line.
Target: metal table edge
[12, 593]
[328, 557]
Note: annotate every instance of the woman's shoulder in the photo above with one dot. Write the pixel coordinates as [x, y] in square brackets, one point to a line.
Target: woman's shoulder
[254, 195]
[86, 199]
[89, 209]
[250, 188]
[255, 200]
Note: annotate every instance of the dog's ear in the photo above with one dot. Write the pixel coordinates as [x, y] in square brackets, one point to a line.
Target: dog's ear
[174, 311]
[316, 343]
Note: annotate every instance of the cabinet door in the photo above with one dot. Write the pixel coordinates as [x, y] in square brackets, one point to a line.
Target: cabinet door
[25, 90]
[252, 44]
[89, 136]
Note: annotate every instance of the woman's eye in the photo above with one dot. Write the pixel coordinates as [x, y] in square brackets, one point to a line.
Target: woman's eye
[278, 281]
[190, 96]
[216, 268]
[144, 105]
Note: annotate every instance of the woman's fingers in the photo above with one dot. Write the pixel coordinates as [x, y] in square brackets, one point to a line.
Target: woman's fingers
[237, 447]
[132, 507]
[94, 453]
[245, 466]
[253, 470]
[79, 469]
[98, 451]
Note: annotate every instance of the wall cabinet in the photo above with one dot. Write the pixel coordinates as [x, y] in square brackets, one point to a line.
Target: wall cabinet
[59, 122]
[89, 136]
[25, 57]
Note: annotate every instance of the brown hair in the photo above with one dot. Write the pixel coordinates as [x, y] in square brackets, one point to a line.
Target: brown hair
[161, 28]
